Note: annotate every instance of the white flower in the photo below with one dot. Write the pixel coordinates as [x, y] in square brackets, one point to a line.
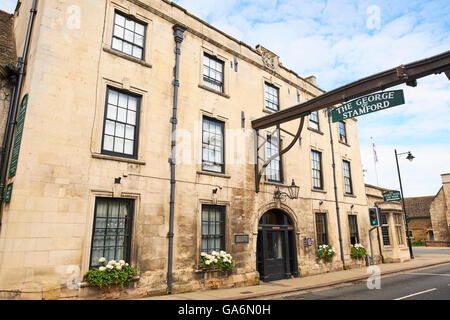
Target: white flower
[215, 260]
[214, 253]
[222, 253]
[126, 264]
[109, 266]
[208, 262]
[112, 262]
[122, 261]
[102, 269]
[101, 260]
[203, 254]
[119, 267]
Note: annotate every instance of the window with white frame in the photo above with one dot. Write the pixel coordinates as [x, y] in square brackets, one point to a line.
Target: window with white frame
[385, 229]
[342, 132]
[314, 120]
[316, 164]
[213, 76]
[128, 36]
[213, 145]
[121, 124]
[271, 97]
[273, 169]
[347, 177]
[398, 228]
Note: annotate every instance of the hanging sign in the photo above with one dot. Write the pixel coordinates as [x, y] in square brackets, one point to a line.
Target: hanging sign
[18, 137]
[392, 196]
[368, 104]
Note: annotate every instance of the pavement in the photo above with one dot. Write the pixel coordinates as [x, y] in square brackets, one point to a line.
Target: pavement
[424, 257]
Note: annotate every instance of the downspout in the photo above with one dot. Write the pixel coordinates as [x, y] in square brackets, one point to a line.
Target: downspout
[178, 35]
[335, 189]
[12, 114]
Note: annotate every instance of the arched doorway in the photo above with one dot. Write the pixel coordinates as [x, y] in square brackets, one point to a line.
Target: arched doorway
[276, 246]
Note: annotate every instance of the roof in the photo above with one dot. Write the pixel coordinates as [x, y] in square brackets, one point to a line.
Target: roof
[7, 44]
[418, 206]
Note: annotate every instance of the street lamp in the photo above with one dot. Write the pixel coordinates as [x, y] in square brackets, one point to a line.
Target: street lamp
[293, 192]
[410, 157]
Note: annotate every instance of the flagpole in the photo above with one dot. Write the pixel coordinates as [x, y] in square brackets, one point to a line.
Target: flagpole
[374, 160]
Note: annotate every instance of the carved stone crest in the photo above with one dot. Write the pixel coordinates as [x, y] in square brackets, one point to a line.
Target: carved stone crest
[269, 59]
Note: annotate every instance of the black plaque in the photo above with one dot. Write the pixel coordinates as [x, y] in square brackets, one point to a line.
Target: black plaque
[241, 238]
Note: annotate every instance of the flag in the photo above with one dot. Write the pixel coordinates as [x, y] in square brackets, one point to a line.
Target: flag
[374, 151]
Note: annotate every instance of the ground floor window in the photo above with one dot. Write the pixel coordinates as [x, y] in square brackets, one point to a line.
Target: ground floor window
[321, 229]
[213, 228]
[353, 228]
[385, 229]
[398, 228]
[111, 235]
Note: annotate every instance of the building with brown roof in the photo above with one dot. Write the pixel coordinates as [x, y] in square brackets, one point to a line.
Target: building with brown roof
[418, 210]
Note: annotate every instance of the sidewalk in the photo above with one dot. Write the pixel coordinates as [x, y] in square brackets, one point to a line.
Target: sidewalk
[310, 282]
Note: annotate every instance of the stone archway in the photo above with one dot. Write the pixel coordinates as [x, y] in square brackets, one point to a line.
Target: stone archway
[276, 248]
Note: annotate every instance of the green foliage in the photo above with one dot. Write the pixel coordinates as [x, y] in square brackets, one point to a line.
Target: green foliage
[325, 253]
[358, 251]
[220, 261]
[111, 274]
[418, 243]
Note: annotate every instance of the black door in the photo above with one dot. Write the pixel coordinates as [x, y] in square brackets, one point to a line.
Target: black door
[276, 249]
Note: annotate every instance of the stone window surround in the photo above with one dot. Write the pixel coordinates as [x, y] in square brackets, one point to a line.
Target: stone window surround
[199, 167]
[213, 52]
[103, 193]
[326, 226]
[272, 81]
[97, 131]
[228, 236]
[135, 13]
[282, 161]
[351, 177]
[321, 151]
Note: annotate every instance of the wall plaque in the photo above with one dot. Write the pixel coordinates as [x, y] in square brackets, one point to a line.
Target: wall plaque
[241, 238]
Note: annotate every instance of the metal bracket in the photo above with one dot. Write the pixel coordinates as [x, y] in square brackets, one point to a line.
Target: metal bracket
[260, 172]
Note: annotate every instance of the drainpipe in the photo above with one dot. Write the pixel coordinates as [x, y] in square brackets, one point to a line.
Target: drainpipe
[335, 189]
[178, 35]
[12, 114]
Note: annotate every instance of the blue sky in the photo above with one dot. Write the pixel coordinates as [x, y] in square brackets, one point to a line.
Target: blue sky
[343, 41]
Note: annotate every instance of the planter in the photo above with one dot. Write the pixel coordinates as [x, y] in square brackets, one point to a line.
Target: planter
[115, 292]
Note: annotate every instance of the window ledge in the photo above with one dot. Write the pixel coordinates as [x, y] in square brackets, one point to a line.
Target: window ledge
[316, 131]
[344, 143]
[318, 190]
[86, 284]
[349, 195]
[214, 91]
[125, 56]
[269, 111]
[214, 174]
[274, 183]
[115, 158]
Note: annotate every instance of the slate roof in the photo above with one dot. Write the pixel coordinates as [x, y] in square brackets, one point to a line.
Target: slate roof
[418, 206]
[7, 44]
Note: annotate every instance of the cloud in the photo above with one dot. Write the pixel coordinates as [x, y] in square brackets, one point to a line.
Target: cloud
[344, 41]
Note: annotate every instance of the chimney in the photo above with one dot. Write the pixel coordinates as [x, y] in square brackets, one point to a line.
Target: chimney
[311, 79]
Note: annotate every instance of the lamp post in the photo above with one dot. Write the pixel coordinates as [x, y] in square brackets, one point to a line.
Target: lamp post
[410, 157]
[293, 192]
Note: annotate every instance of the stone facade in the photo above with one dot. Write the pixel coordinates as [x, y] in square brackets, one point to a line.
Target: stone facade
[440, 213]
[47, 229]
[418, 210]
[391, 235]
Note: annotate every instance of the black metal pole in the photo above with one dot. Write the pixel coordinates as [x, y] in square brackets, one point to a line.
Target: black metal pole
[178, 35]
[404, 208]
[335, 190]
